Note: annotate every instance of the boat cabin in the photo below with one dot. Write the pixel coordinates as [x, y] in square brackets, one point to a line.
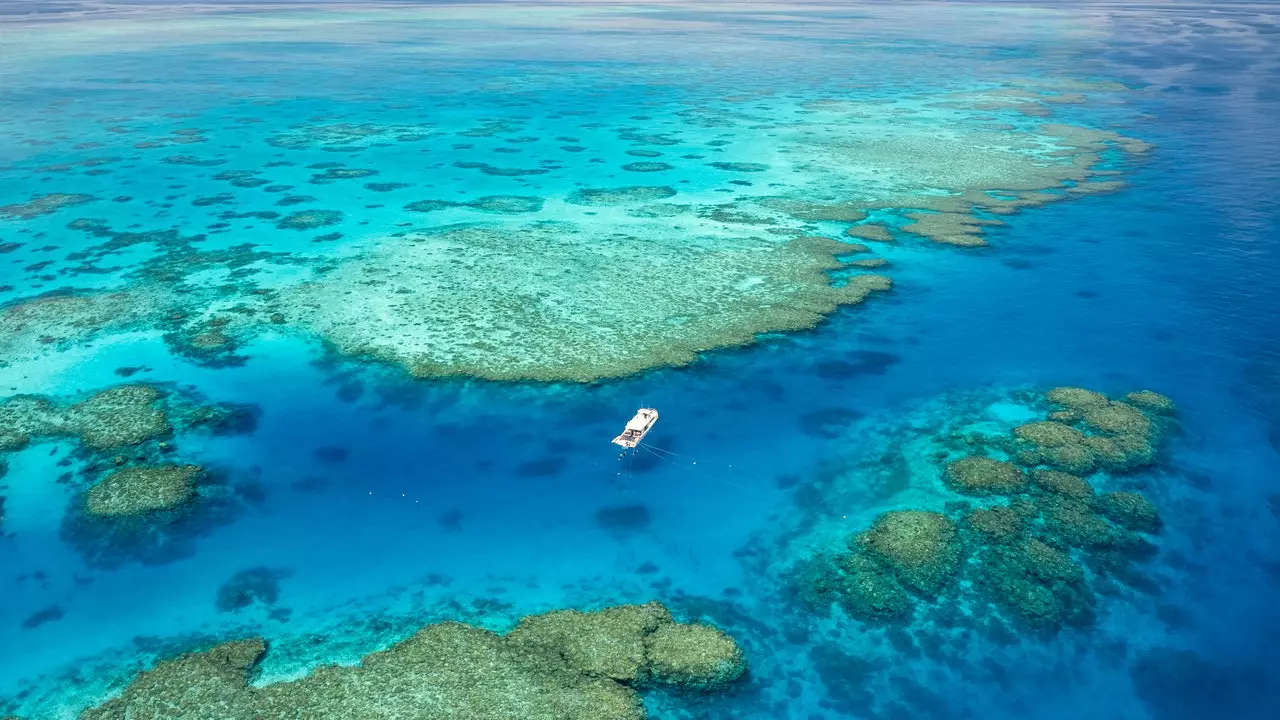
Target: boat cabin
[637, 428]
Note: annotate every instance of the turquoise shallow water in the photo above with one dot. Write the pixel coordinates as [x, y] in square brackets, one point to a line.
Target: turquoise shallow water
[381, 502]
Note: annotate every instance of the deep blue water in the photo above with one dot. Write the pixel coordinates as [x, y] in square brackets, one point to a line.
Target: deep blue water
[381, 496]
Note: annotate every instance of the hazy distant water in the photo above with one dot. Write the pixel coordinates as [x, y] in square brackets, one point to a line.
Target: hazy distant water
[385, 502]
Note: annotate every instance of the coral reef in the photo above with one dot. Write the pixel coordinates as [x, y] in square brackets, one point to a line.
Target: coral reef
[608, 643]
[109, 419]
[620, 196]
[1076, 523]
[151, 514]
[560, 666]
[870, 231]
[1130, 510]
[142, 490]
[1062, 483]
[980, 476]
[42, 205]
[494, 204]
[310, 219]
[996, 525]
[346, 137]
[492, 303]
[739, 166]
[335, 174]
[119, 417]
[1151, 401]
[148, 506]
[646, 167]
[32, 327]
[1056, 445]
[866, 590]
[1040, 584]
[1077, 399]
[1089, 431]
[1027, 556]
[919, 546]
[695, 657]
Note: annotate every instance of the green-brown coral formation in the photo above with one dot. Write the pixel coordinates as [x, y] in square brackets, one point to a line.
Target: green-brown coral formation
[201, 686]
[980, 476]
[1075, 523]
[447, 670]
[494, 204]
[867, 590]
[999, 524]
[42, 205]
[141, 490]
[696, 657]
[1117, 418]
[1130, 510]
[310, 219]
[620, 195]
[1038, 583]
[1057, 445]
[920, 547]
[1056, 481]
[113, 418]
[1078, 399]
[1089, 431]
[119, 417]
[870, 231]
[32, 327]
[1151, 401]
[1026, 556]
[347, 137]
[607, 643]
[130, 416]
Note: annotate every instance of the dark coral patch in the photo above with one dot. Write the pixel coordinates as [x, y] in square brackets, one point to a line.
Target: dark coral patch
[43, 205]
[246, 587]
[310, 219]
[294, 200]
[495, 204]
[647, 167]
[385, 187]
[488, 169]
[620, 196]
[739, 166]
[332, 175]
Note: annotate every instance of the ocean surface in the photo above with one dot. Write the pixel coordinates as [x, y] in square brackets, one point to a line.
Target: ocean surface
[593, 207]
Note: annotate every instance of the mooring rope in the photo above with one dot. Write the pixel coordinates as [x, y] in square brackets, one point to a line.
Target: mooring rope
[650, 449]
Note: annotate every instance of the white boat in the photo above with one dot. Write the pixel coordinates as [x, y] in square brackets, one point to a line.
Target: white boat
[637, 428]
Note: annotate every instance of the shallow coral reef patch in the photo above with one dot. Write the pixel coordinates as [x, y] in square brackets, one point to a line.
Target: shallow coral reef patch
[310, 219]
[920, 547]
[1024, 547]
[620, 195]
[980, 476]
[494, 204]
[43, 205]
[113, 418]
[142, 490]
[566, 665]
[494, 303]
